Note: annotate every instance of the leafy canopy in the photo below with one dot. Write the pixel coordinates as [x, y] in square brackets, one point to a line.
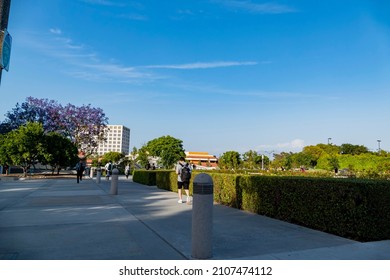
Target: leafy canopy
[167, 148]
[29, 144]
[230, 160]
[84, 125]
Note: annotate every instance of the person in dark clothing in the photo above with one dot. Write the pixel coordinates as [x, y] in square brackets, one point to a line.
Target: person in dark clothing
[80, 169]
[183, 172]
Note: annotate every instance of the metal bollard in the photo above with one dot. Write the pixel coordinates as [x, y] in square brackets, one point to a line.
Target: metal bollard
[98, 175]
[202, 217]
[114, 182]
[91, 170]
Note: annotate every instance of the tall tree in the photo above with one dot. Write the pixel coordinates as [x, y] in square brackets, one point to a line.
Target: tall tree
[85, 126]
[4, 157]
[230, 160]
[142, 156]
[283, 160]
[252, 159]
[311, 155]
[114, 157]
[350, 149]
[59, 151]
[167, 148]
[24, 146]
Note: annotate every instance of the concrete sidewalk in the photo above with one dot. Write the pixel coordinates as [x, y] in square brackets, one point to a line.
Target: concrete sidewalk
[60, 219]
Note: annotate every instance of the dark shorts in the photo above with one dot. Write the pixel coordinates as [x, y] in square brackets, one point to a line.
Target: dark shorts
[184, 185]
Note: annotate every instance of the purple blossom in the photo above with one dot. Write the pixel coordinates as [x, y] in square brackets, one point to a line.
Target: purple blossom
[84, 125]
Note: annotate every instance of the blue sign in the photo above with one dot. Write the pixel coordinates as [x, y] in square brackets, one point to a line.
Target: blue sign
[5, 50]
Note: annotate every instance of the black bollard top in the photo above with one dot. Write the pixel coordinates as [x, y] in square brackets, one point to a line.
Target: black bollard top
[203, 184]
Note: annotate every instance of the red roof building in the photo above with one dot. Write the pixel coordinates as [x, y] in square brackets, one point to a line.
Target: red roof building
[202, 159]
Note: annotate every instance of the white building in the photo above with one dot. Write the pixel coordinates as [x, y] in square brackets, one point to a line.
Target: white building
[118, 140]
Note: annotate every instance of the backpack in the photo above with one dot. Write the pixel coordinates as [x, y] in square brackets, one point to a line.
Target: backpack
[80, 167]
[185, 173]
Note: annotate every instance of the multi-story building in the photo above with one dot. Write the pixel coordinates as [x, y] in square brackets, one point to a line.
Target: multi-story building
[118, 140]
[202, 160]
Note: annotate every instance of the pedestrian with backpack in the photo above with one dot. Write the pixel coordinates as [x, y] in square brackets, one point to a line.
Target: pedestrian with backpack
[108, 168]
[79, 171]
[183, 172]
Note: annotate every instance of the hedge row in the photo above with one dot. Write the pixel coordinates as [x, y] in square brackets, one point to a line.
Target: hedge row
[145, 177]
[355, 209]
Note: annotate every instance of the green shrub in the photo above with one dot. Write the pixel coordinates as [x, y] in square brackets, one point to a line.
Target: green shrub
[352, 208]
[356, 209]
[145, 177]
[167, 180]
[226, 189]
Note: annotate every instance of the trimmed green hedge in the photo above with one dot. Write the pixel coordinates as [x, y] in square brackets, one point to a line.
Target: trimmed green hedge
[167, 180]
[145, 177]
[356, 209]
[352, 208]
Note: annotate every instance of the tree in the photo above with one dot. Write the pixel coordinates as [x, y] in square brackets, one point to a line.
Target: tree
[303, 159]
[252, 159]
[334, 163]
[59, 151]
[33, 110]
[230, 160]
[24, 146]
[167, 148]
[169, 157]
[329, 148]
[114, 157]
[312, 153]
[142, 156]
[85, 126]
[4, 157]
[349, 149]
[283, 160]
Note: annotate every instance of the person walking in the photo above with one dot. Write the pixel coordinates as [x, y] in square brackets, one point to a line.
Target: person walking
[183, 172]
[108, 168]
[79, 171]
[127, 171]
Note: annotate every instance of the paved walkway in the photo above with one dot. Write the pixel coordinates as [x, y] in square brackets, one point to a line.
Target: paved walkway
[60, 219]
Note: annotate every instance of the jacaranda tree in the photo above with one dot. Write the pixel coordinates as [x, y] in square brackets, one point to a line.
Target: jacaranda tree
[84, 126]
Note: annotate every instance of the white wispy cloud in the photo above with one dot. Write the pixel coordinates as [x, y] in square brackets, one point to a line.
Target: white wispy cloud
[56, 31]
[257, 8]
[103, 2]
[116, 71]
[79, 60]
[137, 17]
[296, 144]
[270, 96]
[68, 43]
[202, 65]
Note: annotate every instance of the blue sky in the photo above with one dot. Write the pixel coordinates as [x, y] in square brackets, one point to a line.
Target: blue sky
[218, 74]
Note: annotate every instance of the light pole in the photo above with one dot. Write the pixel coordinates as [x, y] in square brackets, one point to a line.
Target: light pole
[262, 162]
[379, 145]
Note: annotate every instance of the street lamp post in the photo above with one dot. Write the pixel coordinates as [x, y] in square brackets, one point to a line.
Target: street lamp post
[262, 162]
